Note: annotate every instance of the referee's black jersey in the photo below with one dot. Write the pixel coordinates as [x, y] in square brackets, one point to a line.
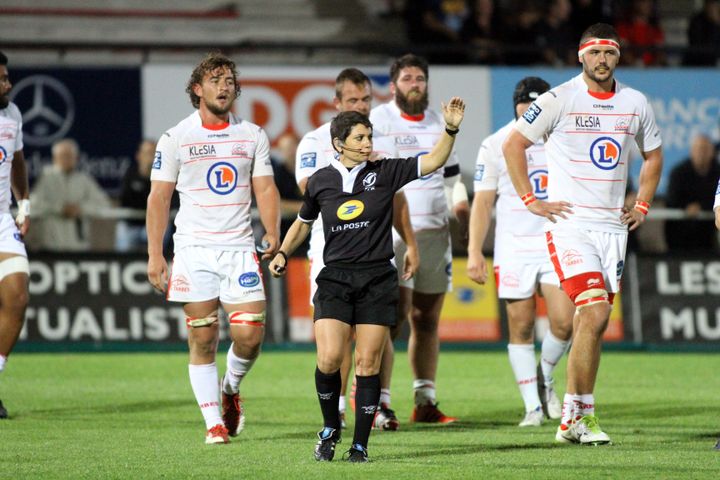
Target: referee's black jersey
[356, 207]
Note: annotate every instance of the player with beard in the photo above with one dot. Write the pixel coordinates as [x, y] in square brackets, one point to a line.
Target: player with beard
[214, 160]
[589, 124]
[406, 127]
[14, 268]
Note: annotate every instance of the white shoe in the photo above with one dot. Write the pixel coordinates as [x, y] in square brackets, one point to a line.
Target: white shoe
[553, 404]
[588, 432]
[565, 434]
[533, 418]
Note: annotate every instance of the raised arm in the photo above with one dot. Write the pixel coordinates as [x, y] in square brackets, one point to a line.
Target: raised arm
[453, 114]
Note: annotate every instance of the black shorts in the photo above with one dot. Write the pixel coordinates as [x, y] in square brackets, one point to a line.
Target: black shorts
[358, 293]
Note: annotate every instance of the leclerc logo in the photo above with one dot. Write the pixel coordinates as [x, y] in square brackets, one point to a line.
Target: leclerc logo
[605, 153]
[539, 182]
[3, 155]
[350, 209]
[222, 178]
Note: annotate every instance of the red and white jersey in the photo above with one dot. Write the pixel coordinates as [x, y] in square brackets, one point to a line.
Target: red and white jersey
[313, 153]
[519, 235]
[11, 141]
[212, 169]
[397, 135]
[589, 138]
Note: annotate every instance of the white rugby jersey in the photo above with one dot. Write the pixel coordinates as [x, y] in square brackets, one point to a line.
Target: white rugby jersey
[519, 236]
[11, 141]
[212, 169]
[588, 148]
[313, 153]
[397, 135]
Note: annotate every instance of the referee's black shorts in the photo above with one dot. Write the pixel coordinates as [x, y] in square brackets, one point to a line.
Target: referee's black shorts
[358, 293]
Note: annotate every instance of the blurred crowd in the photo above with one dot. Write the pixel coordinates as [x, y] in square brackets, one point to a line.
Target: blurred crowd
[528, 32]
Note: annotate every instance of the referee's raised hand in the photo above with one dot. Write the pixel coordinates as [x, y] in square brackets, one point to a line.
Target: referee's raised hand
[453, 112]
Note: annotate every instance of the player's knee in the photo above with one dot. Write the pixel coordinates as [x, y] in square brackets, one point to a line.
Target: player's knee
[367, 364]
[329, 361]
[199, 322]
[248, 319]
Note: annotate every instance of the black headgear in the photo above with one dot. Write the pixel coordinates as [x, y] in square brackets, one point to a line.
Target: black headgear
[529, 89]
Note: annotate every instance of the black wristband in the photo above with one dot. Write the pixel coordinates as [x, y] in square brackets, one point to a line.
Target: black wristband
[452, 133]
[280, 252]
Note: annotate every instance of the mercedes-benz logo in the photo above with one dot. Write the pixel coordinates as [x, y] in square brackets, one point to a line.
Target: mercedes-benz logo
[48, 109]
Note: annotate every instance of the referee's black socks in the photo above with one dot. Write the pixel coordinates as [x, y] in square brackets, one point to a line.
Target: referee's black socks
[367, 397]
[328, 390]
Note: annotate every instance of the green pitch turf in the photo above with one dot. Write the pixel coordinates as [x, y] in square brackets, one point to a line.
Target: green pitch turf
[133, 416]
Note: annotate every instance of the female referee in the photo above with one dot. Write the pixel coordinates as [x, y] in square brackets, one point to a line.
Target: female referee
[358, 286]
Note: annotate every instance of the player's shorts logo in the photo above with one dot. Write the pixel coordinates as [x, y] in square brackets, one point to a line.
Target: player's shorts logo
[350, 209]
[222, 178]
[249, 279]
[539, 182]
[3, 155]
[571, 257]
[510, 280]
[605, 153]
[619, 269]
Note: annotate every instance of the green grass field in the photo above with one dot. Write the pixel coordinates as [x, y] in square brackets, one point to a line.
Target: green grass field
[133, 416]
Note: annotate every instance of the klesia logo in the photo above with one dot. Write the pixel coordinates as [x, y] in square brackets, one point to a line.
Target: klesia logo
[605, 153]
[369, 181]
[3, 155]
[222, 178]
[350, 209]
[539, 182]
[249, 279]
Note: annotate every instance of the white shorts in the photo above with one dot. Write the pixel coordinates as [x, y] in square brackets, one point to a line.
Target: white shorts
[200, 273]
[576, 252]
[435, 272]
[316, 264]
[519, 281]
[10, 239]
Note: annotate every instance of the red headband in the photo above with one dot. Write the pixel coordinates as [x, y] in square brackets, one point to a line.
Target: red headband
[598, 41]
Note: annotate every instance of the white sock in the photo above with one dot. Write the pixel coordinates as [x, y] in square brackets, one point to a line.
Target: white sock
[522, 361]
[204, 381]
[385, 397]
[587, 401]
[3, 361]
[551, 352]
[424, 392]
[571, 410]
[237, 368]
[341, 404]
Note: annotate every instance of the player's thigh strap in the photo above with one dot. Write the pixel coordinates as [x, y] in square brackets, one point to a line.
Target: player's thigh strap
[589, 297]
[247, 318]
[12, 265]
[586, 288]
[195, 322]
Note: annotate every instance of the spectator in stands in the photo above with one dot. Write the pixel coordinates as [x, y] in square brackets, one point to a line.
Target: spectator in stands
[691, 187]
[482, 30]
[704, 36]
[437, 25]
[130, 234]
[283, 164]
[587, 12]
[63, 198]
[640, 32]
[555, 36]
[522, 20]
